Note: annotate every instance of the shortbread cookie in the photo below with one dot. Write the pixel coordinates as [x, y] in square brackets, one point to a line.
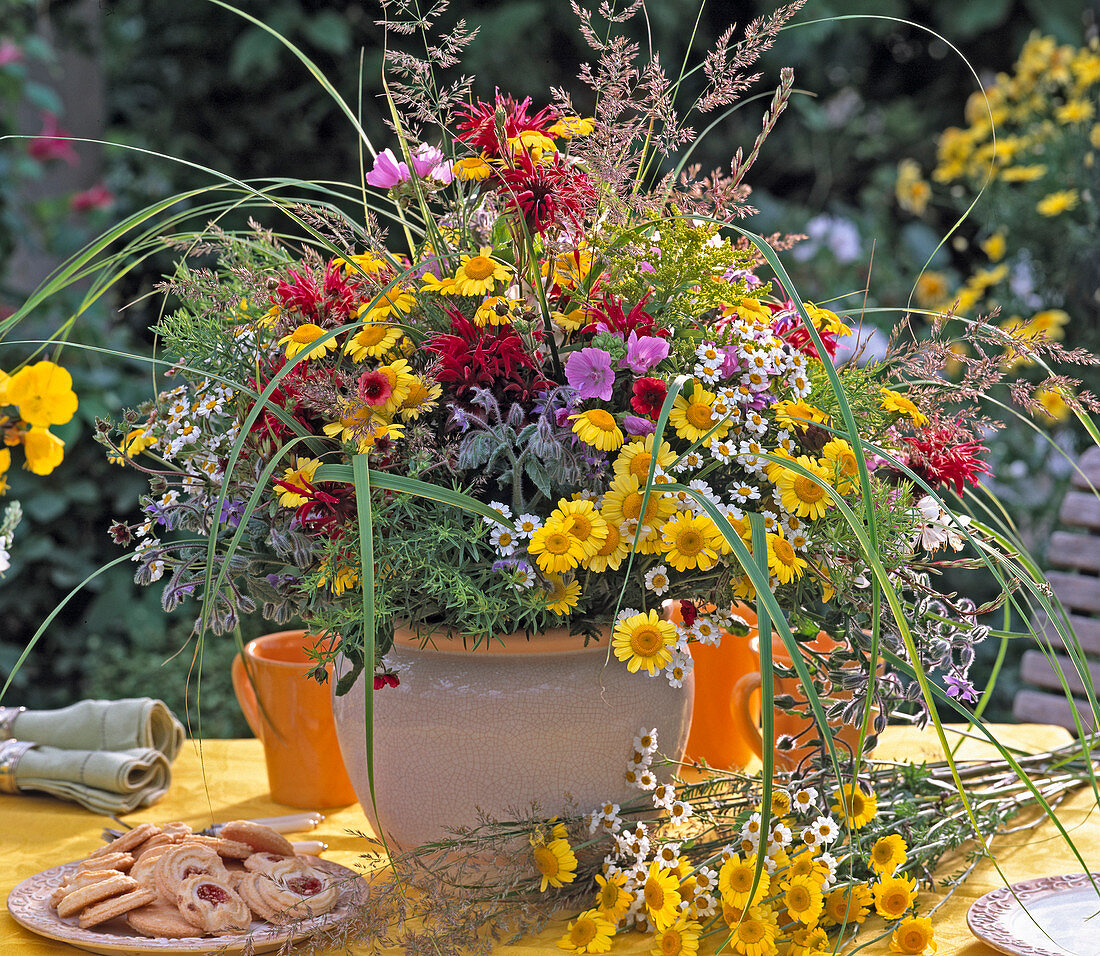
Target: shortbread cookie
[80, 897]
[144, 870]
[177, 829]
[179, 862]
[261, 838]
[263, 862]
[129, 840]
[248, 886]
[78, 879]
[108, 861]
[295, 894]
[161, 918]
[157, 841]
[116, 906]
[213, 905]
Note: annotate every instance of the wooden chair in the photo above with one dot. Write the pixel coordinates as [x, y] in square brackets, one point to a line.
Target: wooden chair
[1077, 584]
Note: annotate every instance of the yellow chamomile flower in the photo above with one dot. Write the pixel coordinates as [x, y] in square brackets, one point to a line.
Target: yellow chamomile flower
[849, 905]
[135, 442]
[754, 934]
[43, 451]
[893, 401]
[857, 807]
[661, 893]
[839, 462]
[910, 188]
[931, 289]
[798, 415]
[365, 263]
[303, 471]
[302, 339]
[614, 548]
[622, 505]
[569, 126]
[808, 941]
[894, 895]
[472, 168]
[914, 937]
[44, 394]
[421, 398]
[397, 301]
[644, 640]
[402, 380]
[783, 561]
[995, 247]
[693, 416]
[613, 899]
[431, 283]
[561, 595]
[554, 859]
[680, 938]
[496, 310]
[803, 899]
[691, 541]
[735, 880]
[802, 495]
[636, 457]
[373, 340]
[555, 547]
[590, 932]
[1056, 203]
[888, 854]
[598, 428]
[477, 275]
[589, 527]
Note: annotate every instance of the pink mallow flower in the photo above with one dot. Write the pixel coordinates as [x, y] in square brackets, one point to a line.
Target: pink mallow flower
[589, 372]
[430, 161]
[645, 351]
[387, 171]
[98, 197]
[53, 142]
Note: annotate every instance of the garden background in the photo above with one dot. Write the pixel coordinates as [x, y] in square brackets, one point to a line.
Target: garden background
[191, 80]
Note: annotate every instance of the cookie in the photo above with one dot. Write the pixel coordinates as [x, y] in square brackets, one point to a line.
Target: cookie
[231, 849]
[129, 840]
[248, 886]
[177, 863]
[263, 862]
[116, 906]
[108, 861]
[212, 905]
[80, 897]
[161, 918]
[295, 894]
[145, 868]
[261, 838]
[78, 879]
[157, 841]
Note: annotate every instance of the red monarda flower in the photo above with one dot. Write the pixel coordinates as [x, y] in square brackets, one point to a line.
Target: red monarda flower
[688, 612]
[337, 296]
[288, 395]
[479, 127]
[385, 680]
[946, 453]
[546, 195]
[610, 314]
[492, 358]
[649, 396]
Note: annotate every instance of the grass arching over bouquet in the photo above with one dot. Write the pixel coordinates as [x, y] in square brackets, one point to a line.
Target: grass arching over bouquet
[565, 337]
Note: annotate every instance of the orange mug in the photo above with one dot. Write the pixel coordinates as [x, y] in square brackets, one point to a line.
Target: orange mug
[746, 709]
[291, 714]
[717, 669]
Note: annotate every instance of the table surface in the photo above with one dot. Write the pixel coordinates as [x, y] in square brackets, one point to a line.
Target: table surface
[219, 780]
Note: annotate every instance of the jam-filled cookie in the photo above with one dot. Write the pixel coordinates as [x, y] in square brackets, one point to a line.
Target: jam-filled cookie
[212, 905]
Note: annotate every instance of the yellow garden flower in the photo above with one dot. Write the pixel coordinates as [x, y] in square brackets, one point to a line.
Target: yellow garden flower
[849, 905]
[783, 561]
[554, 860]
[1023, 174]
[1056, 203]
[735, 880]
[363, 428]
[681, 938]
[612, 897]
[135, 442]
[910, 188]
[614, 548]
[303, 471]
[496, 310]
[555, 547]
[636, 457]
[888, 854]
[644, 640]
[570, 126]
[472, 168]
[561, 595]
[798, 415]
[800, 495]
[931, 289]
[397, 301]
[598, 428]
[366, 263]
[693, 417]
[444, 286]
[43, 450]
[1052, 401]
[588, 526]
[857, 807]
[477, 275]
[691, 541]
[754, 934]
[302, 339]
[808, 941]
[590, 932]
[1074, 111]
[894, 895]
[893, 401]
[661, 891]
[622, 504]
[373, 340]
[994, 247]
[839, 461]
[802, 897]
[914, 937]
[44, 394]
[401, 381]
[421, 398]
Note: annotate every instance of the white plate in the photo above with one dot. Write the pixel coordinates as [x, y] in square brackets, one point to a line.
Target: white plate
[29, 904]
[1062, 917]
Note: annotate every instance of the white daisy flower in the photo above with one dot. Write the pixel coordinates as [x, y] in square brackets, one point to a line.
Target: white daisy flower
[722, 451]
[527, 525]
[639, 760]
[710, 353]
[679, 812]
[745, 493]
[706, 372]
[156, 571]
[503, 540]
[664, 795]
[646, 780]
[656, 579]
[780, 835]
[809, 836]
[646, 741]
[668, 855]
[707, 631]
[827, 830]
[831, 862]
[625, 613]
[805, 799]
[706, 905]
[771, 521]
[690, 462]
[501, 509]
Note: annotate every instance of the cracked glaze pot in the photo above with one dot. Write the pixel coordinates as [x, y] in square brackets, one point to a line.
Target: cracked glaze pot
[499, 728]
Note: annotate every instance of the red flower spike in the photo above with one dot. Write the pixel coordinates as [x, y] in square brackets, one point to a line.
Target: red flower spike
[946, 453]
[337, 297]
[688, 611]
[385, 680]
[649, 396]
[479, 128]
[610, 314]
[546, 195]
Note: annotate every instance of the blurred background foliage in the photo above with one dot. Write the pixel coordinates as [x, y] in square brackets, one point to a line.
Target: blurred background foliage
[195, 82]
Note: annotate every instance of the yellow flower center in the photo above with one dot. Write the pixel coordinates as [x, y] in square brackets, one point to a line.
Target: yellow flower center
[807, 490]
[750, 931]
[699, 415]
[371, 335]
[305, 334]
[582, 933]
[914, 940]
[646, 641]
[671, 943]
[602, 420]
[582, 525]
[546, 861]
[612, 542]
[609, 896]
[479, 267]
[639, 466]
[741, 880]
[798, 899]
[557, 542]
[632, 506]
[654, 893]
[689, 542]
[784, 553]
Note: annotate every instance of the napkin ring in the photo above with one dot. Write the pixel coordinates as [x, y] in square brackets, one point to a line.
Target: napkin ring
[7, 719]
[10, 753]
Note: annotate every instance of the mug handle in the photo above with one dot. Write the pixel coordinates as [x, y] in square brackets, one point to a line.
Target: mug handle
[246, 696]
[744, 725]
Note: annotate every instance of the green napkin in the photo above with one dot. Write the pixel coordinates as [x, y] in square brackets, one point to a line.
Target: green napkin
[106, 781]
[139, 722]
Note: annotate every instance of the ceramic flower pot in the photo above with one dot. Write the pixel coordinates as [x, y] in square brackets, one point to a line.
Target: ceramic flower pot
[495, 730]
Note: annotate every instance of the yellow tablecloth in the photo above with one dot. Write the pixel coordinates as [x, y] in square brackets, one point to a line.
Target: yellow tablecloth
[226, 779]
